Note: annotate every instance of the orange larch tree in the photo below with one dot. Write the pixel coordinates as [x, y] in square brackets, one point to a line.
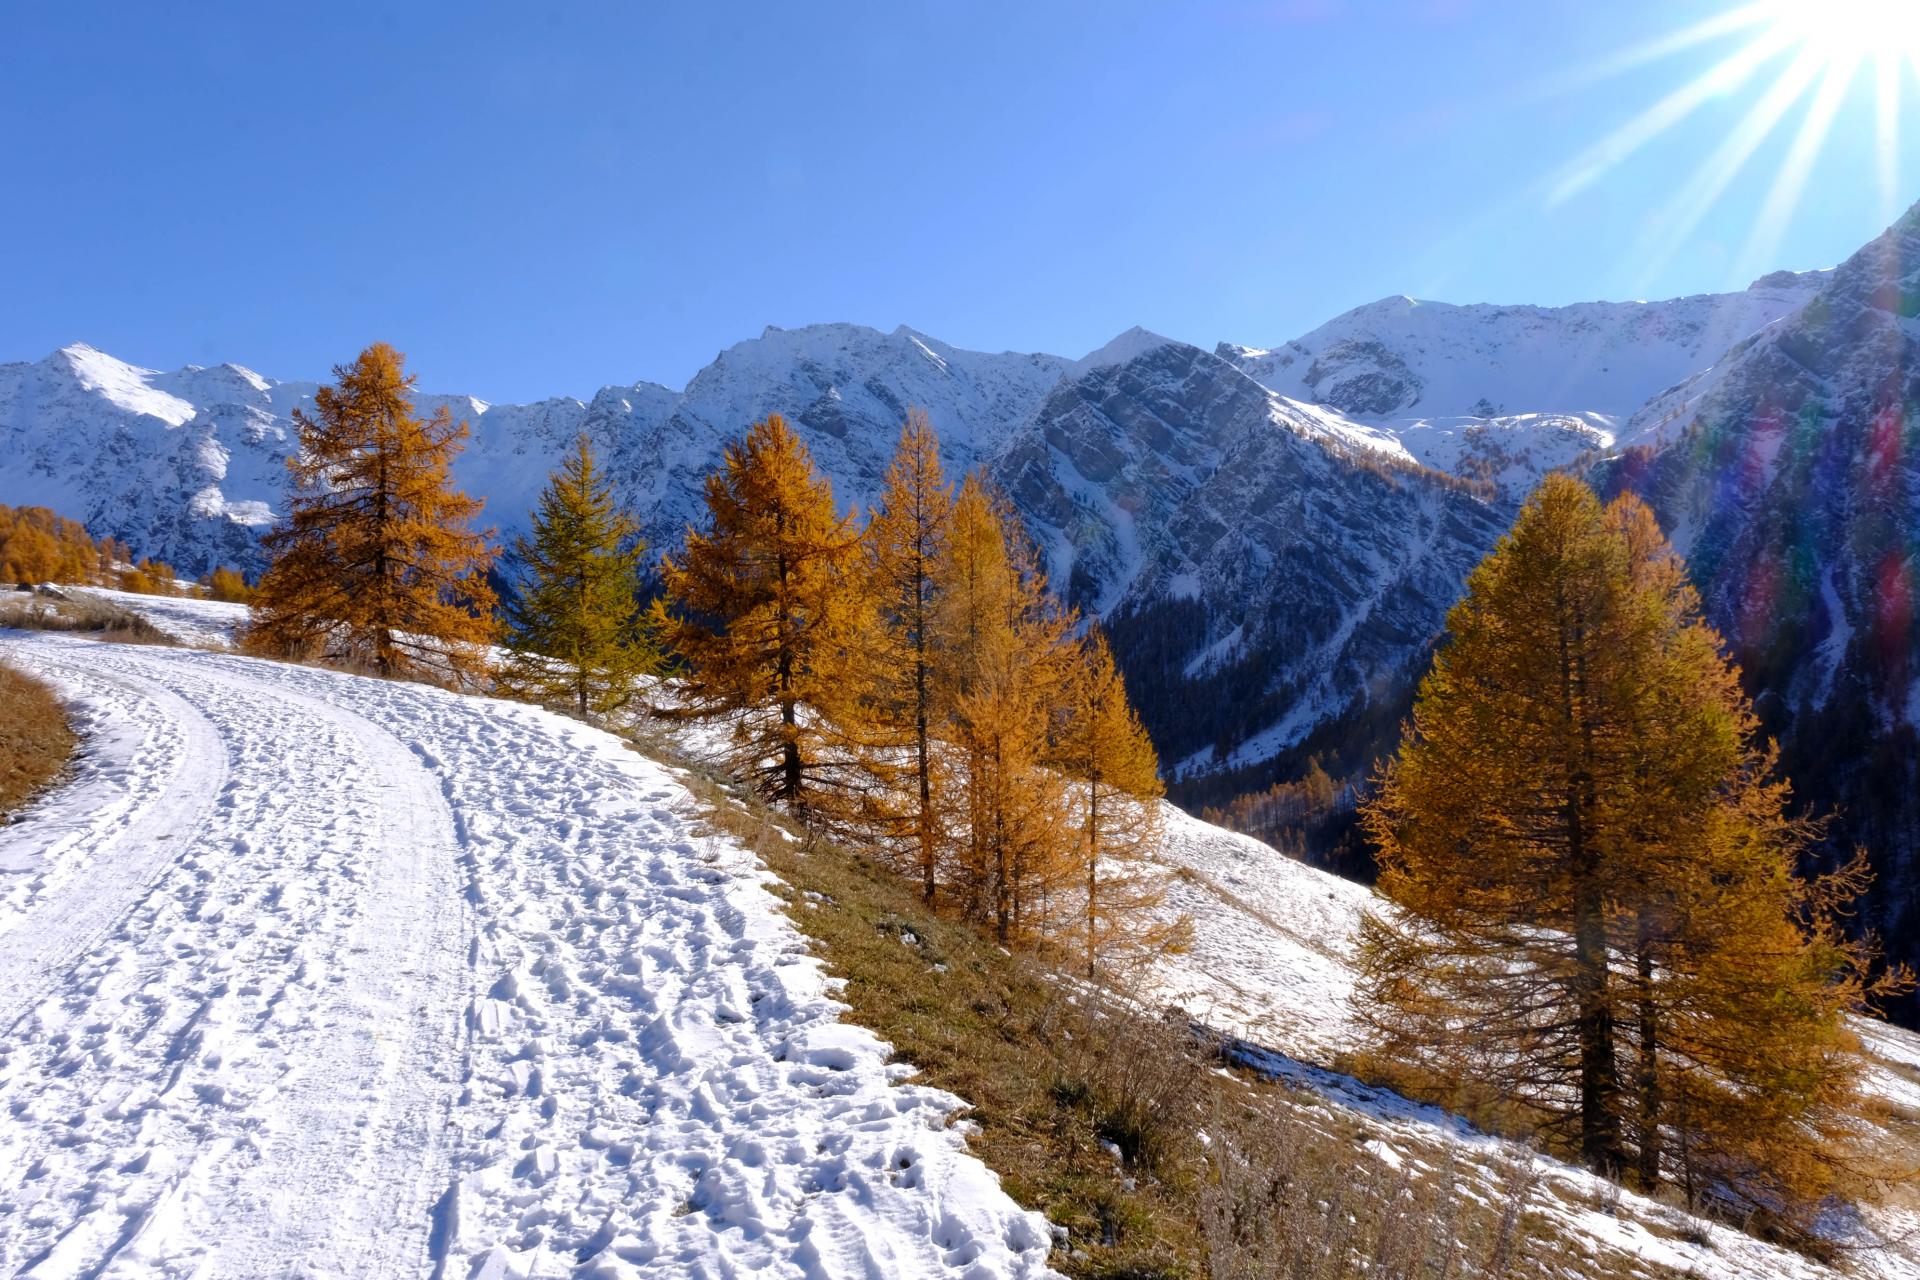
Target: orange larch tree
[377, 565]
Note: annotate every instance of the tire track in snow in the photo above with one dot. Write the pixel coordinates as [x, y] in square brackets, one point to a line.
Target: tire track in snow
[150, 768]
[273, 1027]
[279, 1066]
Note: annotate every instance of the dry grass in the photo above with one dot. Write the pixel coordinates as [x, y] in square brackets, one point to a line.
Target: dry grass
[74, 612]
[1125, 1127]
[35, 740]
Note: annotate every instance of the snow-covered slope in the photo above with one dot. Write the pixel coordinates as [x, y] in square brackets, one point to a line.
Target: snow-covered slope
[1272, 968]
[1402, 358]
[311, 974]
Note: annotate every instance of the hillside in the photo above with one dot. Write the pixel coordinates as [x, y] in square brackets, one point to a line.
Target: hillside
[1789, 476]
[564, 953]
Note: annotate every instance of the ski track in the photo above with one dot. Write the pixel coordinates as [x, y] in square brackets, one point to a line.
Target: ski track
[311, 975]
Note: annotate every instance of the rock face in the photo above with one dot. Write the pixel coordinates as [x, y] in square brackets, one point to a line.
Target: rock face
[1789, 474]
[1263, 573]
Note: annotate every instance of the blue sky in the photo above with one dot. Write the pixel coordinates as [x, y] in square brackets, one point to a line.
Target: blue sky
[536, 199]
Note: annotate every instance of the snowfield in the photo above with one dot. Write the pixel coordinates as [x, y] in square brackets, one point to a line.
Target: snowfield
[310, 974]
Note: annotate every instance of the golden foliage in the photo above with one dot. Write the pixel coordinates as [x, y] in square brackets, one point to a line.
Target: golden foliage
[39, 546]
[1105, 751]
[227, 585]
[1592, 866]
[905, 542]
[377, 566]
[765, 609]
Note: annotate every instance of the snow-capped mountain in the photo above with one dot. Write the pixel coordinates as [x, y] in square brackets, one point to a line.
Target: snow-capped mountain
[1789, 474]
[1263, 570]
[1267, 533]
[1404, 359]
[1507, 393]
[190, 466]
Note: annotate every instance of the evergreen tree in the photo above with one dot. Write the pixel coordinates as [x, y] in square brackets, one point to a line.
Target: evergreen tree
[906, 539]
[377, 564]
[1593, 870]
[574, 627]
[1105, 751]
[766, 610]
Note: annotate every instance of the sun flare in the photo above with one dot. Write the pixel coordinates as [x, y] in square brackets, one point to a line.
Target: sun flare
[1848, 31]
[1785, 57]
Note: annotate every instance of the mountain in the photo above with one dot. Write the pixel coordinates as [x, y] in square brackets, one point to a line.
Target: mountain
[1506, 393]
[190, 466]
[1265, 572]
[1788, 472]
[1271, 538]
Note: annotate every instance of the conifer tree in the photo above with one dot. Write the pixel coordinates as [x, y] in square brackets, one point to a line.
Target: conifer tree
[906, 539]
[377, 564]
[575, 629]
[1004, 664]
[227, 585]
[1104, 749]
[1593, 870]
[766, 610]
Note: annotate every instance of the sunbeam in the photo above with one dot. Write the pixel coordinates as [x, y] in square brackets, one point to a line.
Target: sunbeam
[1789, 51]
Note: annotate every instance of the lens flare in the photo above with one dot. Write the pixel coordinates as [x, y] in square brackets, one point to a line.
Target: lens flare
[1798, 59]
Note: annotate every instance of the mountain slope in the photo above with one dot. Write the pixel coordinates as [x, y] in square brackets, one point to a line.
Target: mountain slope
[1506, 393]
[1789, 475]
[1264, 571]
[1402, 358]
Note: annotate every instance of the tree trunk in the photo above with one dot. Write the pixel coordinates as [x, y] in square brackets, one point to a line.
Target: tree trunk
[1647, 1079]
[1093, 867]
[1600, 1146]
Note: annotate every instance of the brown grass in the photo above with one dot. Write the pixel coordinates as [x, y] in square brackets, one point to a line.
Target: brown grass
[1122, 1125]
[74, 612]
[35, 739]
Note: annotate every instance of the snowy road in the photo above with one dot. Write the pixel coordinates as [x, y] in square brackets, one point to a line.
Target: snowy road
[311, 975]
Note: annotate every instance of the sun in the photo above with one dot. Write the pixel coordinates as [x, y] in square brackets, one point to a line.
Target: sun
[1790, 57]
[1848, 31]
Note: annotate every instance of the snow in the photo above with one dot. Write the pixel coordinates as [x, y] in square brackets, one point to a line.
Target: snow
[647, 1072]
[209, 624]
[1128, 346]
[308, 971]
[123, 385]
[1380, 362]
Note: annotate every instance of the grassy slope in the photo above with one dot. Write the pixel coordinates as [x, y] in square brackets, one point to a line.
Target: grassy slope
[1124, 1127]
[35, 740]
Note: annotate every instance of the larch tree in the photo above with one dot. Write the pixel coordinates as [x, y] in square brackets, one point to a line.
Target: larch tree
[377, 564]
[766, 610]
[1104, 750]
[575, 627]
[905, 541]
[1002, 643]
[1592, 869]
